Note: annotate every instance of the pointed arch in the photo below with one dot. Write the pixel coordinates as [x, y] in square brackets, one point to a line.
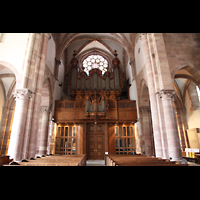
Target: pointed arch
[4, 64]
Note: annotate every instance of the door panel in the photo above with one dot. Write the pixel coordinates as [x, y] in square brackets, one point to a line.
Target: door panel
[100, 147]
[95, 142]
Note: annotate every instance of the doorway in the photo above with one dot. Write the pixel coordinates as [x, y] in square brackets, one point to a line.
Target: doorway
[95, 141]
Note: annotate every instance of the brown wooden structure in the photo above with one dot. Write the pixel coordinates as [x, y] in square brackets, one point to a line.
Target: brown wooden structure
[99, 117]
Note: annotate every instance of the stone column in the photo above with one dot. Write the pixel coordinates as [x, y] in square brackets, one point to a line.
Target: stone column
[7, 130]
[170, 124]
[17, 135]
[3, 126]
[137, 139]
[44, 130]
[185, 127]
[147, 129]
[180, 124]
[28, 59]
[152, 96]
[36, 105]
[56, 69]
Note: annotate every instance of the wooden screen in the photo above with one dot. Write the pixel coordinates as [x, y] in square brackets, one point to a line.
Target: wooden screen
[66, 140]
[124, 139]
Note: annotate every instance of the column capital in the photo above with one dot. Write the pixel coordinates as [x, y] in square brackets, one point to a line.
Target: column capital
[23, 93]
[144, 109]
[167, 94]
[45, 109]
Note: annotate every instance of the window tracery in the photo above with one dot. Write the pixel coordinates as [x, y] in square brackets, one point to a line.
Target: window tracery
[95, 61]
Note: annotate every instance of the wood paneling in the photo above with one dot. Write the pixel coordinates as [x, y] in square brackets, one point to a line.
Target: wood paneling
[117, 110]
[111, 139]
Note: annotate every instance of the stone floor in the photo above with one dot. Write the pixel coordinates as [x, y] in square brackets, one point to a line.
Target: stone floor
[95, 163]
[102, 163]
[192, 164]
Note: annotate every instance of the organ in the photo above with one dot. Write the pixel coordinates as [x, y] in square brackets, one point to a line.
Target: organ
[99, 95]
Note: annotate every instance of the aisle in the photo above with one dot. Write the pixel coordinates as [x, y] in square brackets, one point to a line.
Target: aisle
[95, 163]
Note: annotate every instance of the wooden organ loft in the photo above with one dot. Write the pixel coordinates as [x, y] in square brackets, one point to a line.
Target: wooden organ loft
[99, 117]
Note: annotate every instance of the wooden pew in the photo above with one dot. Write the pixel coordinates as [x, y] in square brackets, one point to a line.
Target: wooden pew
[5, 160]
[55, 160]
[138, 160]
[197, 155]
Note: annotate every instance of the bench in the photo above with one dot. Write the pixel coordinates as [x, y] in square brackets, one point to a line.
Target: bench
[54, 160]
[197, 155]
[138, 160]
[5, 160]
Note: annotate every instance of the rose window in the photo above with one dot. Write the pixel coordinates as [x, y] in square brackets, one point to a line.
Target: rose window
[95, 61]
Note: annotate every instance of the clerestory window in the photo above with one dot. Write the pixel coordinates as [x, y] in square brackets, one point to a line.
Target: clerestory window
[95, 61]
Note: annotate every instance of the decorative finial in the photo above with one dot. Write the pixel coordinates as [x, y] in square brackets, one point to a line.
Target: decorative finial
[74, 54]
[115, 54]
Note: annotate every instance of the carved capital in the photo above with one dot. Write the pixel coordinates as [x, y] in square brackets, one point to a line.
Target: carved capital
[22, 94]
[144, 109]
[167, 94]
[45, 109]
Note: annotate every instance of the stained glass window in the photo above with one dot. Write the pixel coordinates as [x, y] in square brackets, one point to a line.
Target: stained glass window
[95, 61]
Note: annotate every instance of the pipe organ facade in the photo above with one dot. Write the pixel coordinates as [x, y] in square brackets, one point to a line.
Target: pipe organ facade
[99, 99]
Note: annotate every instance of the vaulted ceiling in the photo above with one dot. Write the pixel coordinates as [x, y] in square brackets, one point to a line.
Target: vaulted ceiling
[123, 43]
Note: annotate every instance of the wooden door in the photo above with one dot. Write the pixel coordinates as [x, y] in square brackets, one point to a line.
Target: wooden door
[95, 142]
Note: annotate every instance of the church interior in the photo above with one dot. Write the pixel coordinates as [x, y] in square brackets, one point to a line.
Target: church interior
[75, 97]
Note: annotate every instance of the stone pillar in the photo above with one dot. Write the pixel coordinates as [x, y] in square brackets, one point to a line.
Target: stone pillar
[185, 127]
[17, 135]
[3, 126]
[137, 139]
[44, 130]
[7, 130]
[152, 96]
[56, 69]
[147, 129]
[170, 124]
[27, 60]
[180, 125]
[37, 101]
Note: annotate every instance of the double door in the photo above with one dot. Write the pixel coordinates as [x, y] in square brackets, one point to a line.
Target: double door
[95, 142]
